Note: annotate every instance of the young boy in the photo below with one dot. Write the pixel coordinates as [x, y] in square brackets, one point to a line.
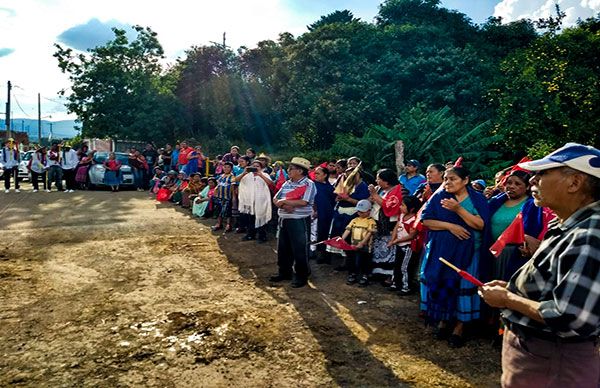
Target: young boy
[403, 234]
[360, 230]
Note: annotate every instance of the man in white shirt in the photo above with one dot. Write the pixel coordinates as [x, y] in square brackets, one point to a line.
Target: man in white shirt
[68, 163]
[9, 157]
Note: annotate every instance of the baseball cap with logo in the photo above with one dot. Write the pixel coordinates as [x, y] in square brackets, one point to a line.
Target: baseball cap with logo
[577, 156]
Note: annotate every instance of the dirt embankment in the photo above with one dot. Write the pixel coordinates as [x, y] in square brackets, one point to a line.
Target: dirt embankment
[103, 289]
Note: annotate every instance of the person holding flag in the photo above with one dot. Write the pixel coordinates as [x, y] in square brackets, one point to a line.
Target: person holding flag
[551, 305]
[10, 158]
[295, 203]
[387, 202]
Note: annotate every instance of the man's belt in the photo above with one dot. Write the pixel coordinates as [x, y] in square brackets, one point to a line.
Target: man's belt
[525, 333]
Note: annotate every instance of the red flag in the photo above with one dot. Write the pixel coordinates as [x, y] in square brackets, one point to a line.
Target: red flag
[297, 193]
[515, 168]
[458, 162]
[280, 180]
[514, 234]
[339, 244]
[392, 202]
[547, 216]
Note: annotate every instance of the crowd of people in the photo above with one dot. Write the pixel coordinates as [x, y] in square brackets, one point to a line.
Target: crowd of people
[529, 243]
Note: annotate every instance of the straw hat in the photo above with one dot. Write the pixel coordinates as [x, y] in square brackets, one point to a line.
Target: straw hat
[301, 162]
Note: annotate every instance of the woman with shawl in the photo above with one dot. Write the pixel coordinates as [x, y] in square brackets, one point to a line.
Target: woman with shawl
[254, 200]
[203, 202]
[458, 221]
[384, 256]
[194, 187]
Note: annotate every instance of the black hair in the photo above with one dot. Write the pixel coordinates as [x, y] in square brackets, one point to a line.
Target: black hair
[228, 164]
[522, 175]
[387, 175]
[438, 166]
[462, 172]
[246, 158]
[354, 158]
[251, 150]
[212, 179]
[412, 203]
[343, 163]
[324, 170]
[204, 180]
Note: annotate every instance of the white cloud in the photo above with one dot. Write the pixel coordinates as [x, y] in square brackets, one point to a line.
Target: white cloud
[31, 27]
[511, 10]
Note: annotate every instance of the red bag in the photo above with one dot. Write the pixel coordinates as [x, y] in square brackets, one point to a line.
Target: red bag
[163, 195]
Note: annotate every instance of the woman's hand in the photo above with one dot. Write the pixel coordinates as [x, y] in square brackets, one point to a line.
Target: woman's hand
[391, 243]
[450, 204]
[459, 232]
[372, 189]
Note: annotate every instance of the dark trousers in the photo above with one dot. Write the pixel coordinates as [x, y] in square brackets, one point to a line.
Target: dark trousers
[55, 175]
[11, 172]
[359, 262]
[532, 362]
[401, 277]
[69, 176]
[292, 247]
[250, 221]
[35, 179]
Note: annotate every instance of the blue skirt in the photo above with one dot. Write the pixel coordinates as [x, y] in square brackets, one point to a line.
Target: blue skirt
[112, 178]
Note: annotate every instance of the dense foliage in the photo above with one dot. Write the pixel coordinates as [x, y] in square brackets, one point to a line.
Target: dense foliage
[420, 73]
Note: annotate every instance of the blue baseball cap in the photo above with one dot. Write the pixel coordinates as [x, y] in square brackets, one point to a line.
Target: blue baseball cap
[577, 156]
[480, 182]
[414, 162]
[364, 205]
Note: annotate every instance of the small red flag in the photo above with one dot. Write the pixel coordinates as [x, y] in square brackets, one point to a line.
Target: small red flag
[339, 244]
[514, 234]
[297, 193]
[280, 180]
[392, 202]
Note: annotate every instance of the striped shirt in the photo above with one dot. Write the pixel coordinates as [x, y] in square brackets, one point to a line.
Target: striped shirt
[224, 187]
[564, 275]
[309, 196]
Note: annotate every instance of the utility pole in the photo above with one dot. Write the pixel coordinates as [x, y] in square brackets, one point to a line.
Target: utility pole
[224, 45]
[39, 120]
[8, 134]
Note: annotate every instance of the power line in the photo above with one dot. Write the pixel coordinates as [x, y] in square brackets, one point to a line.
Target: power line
[19, 105]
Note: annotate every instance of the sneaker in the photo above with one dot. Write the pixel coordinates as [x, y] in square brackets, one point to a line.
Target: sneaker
[47, 190]
[34, 191]
[71, 191]
[351, 279]
[17, 191]
[363, 281]
[7, 191]
[405, 292]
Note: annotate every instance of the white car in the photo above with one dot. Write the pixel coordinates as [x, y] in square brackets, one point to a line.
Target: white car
[97, 170]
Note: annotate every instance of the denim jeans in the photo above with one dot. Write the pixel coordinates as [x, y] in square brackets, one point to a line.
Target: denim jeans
[138, 178]
[292, 247]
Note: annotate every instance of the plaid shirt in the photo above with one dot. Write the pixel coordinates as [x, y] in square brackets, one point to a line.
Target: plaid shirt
[564, 275]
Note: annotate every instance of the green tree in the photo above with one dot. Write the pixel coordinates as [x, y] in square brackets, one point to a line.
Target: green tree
[117, 89]
[550, 91]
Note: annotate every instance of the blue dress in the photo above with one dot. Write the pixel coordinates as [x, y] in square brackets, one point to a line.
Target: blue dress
[445, 294]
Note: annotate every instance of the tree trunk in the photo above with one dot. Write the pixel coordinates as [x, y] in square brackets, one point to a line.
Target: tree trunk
[399, 148]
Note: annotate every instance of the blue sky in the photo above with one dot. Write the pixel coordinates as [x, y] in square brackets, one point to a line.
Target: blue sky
[31, 27]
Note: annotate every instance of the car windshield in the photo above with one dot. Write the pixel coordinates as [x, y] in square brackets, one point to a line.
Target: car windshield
[100, 157]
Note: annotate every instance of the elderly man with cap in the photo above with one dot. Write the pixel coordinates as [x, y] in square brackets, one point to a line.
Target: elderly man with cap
[295, 203]
[9, 157]
[551, 305]
[411, 179]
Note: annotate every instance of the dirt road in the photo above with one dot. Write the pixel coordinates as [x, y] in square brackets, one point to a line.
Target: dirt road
[103, 289]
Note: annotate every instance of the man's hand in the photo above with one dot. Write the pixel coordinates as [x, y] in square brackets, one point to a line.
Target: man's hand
[495, 296]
